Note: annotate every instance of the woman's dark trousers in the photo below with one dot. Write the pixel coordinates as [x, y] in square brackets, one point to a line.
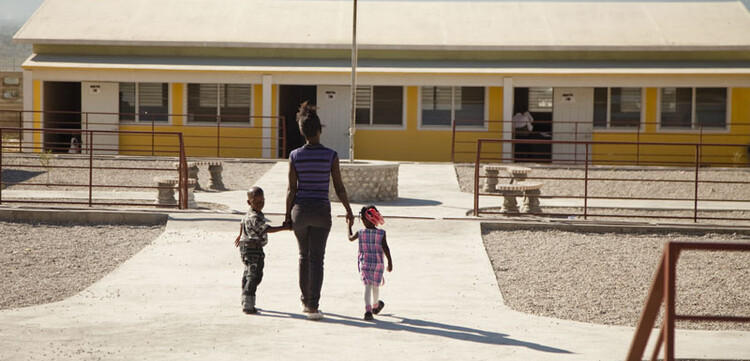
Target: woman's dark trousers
[311, 222]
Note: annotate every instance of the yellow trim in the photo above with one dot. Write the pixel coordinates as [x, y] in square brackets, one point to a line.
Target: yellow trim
[178, 103]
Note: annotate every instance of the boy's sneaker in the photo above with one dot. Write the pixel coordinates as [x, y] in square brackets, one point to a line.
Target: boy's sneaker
[377, 310]
[315, 316]
[368, 316]
[250, 311]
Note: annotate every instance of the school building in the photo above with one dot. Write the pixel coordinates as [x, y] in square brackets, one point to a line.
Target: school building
[602, 70]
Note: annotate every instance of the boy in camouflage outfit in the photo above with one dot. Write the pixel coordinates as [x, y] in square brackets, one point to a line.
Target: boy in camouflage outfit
[251, 240]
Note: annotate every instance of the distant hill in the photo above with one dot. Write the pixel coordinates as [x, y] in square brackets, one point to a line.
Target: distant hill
[11, 55]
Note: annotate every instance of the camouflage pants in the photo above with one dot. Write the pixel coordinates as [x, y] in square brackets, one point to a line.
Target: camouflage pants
[252, 275]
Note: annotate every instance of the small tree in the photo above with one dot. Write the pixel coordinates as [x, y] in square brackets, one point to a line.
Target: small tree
[45, 159]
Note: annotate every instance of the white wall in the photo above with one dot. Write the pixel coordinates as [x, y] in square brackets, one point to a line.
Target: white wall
[102, 97]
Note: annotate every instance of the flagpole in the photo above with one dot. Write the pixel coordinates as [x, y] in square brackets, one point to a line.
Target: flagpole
[354, 84]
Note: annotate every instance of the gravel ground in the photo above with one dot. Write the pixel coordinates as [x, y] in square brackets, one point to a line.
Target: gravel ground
[44, 263]
[605, 278]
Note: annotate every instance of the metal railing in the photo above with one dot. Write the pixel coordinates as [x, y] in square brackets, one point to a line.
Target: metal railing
[225, 136]
[84, 159]
[465, 134]
[489, 151]
[663, 292]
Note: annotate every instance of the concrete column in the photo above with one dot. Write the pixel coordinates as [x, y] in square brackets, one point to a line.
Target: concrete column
[267, 112]
[28, 104]
[507, 116]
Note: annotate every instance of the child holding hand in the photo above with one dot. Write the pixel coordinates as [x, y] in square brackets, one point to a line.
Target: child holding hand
[253, 237]
[372, 246]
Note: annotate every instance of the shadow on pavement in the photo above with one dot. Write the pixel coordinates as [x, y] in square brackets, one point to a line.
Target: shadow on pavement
[424, 328]
[410, 202]
[18, 176]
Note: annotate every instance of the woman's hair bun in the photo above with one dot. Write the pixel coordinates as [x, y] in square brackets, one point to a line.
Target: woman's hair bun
[307, 109]
[308, 120]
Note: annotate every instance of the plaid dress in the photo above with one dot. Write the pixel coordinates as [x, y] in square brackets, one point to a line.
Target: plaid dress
[371, 256]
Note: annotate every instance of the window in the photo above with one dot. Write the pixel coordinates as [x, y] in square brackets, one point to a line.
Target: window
[441, 105]
[693, 107]
[380, 105]
[540, 100]
[144, 102]
[617, 107]
[228, 102]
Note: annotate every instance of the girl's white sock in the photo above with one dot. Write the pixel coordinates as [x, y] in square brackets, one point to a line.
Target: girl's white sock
[368, 303]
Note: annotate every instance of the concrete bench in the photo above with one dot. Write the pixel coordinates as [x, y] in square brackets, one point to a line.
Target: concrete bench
[167, 185]
[530, 192]
[214, 168]
[517, 173]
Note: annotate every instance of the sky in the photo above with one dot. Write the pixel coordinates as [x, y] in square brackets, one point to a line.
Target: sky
[16, 12]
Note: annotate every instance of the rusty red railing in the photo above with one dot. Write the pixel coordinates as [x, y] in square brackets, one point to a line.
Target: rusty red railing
[38, 160]
[663, 292]
[224, 135]
[464, 137]
[490, 151]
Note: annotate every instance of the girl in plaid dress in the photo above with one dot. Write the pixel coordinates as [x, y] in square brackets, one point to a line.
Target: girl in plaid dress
[372, 246]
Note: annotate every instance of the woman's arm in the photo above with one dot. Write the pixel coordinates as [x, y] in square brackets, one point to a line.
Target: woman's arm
[352, 236]
[338, 185]
[291, 192]
[387, 252]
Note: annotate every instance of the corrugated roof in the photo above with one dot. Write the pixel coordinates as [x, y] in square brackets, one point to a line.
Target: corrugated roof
[429, 25]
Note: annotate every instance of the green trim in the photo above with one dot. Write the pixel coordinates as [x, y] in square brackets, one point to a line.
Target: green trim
[450, 55]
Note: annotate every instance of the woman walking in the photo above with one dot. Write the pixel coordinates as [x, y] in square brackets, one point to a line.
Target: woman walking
[308, 208]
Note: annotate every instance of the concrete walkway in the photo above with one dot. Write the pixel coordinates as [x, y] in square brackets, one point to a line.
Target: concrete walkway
[179, 298]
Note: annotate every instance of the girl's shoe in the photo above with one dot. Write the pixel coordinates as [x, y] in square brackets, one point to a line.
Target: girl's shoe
[250, 311]
[368, 315]
[377, 310]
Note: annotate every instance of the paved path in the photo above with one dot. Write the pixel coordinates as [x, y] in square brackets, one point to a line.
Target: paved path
[179, 298]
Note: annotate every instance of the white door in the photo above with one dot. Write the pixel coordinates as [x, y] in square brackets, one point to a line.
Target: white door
[572, 120]
[101, 97]
[335, 115]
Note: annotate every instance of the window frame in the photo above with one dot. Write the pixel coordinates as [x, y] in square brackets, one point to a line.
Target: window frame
[624, 129]
[137, 116]
[402, 126]
[694, 128]
[485, 110]
[189, 121]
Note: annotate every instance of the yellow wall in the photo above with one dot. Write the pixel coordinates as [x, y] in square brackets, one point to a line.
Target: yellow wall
[201, 141]
[413, 144]
[738, 132]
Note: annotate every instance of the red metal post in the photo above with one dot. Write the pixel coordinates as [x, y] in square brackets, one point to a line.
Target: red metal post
[672, 252]
[638, 145]
[575, 147]
[283, 136]
[453, 142]
[91, 168]
[218, 135]
[586, 184]
[153, 138]
[648, 316]
[695, 194]
[476, 178]
[20, 132]
[183, 174]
